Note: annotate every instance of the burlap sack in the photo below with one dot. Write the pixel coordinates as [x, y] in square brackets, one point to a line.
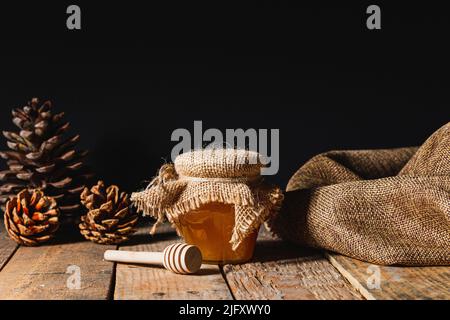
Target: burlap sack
[212, 175]
[381, 206]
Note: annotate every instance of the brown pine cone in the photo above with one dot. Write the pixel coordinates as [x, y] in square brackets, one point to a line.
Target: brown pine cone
[31, 217]
[110, 219]
[43, 156]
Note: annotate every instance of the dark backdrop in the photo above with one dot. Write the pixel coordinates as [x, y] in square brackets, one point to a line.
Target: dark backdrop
[135, 73]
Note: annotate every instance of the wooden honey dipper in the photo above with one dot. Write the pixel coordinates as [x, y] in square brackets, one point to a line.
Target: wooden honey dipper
[179, 257]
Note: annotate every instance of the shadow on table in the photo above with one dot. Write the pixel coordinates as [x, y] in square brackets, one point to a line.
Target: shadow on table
[146, 238]
[71, 234]
[67, 234]
[206, 270]
[276, 250]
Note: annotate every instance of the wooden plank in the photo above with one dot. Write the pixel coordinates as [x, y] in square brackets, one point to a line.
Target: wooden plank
[387, 282]
[7, 246]
[149, 282]
[280, 271]
[49, 271]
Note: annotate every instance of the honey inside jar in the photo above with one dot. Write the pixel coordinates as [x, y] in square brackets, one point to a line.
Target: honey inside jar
[210, 228]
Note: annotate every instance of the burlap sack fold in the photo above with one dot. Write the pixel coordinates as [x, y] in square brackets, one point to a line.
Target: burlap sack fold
[381, 206]
[199, 177]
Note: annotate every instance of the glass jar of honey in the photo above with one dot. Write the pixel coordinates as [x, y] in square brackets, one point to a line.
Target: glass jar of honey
[210, 227]
[215, 198]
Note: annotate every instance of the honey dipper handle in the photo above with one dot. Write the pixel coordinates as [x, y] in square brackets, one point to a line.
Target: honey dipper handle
[134, 257]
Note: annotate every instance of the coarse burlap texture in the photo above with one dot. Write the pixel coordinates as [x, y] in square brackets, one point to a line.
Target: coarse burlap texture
[199, 177]
[381, 206]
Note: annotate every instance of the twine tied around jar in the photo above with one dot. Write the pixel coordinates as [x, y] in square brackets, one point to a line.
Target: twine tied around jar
[204, 176]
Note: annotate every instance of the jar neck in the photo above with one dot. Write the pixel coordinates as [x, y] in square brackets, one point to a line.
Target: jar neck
[246, 180]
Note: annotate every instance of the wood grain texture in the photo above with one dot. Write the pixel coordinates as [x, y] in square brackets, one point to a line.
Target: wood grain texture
[280, 271]
[42, 272]
[394, 282]
[7, 246]
[153, 282]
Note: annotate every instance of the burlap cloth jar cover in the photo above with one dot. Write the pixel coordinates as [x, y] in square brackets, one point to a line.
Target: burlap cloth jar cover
[381, 206]
[200, 177]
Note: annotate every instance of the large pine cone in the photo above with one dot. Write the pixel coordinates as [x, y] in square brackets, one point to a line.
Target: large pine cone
[31, 217]
[110, 220]
[42, 157]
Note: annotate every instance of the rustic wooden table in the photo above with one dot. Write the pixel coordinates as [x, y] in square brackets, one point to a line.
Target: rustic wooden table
[278, 271]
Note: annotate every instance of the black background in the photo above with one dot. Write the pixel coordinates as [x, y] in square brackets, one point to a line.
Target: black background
[135, 73]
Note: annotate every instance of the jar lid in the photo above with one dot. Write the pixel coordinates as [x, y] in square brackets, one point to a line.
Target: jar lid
[219, 163]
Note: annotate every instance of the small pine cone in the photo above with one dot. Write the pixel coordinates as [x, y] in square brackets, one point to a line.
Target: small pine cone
[110, 219]
[31, 217]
